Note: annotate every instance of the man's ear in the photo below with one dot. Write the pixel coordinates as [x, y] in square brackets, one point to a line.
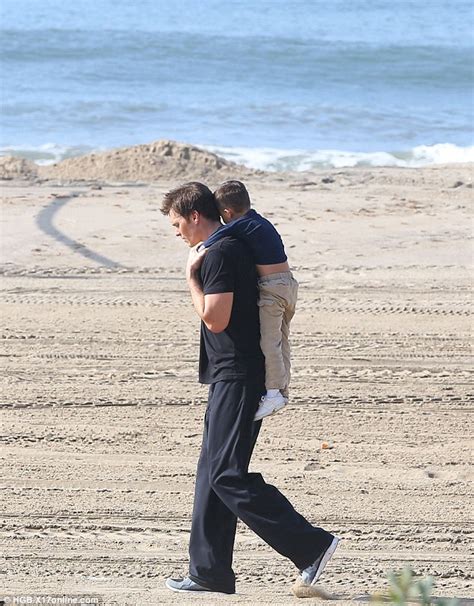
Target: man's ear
[195, 216]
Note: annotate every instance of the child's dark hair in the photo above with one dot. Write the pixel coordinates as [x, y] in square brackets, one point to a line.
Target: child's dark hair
[232, 195]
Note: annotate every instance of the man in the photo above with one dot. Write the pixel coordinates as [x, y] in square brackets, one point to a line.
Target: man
[223, 286]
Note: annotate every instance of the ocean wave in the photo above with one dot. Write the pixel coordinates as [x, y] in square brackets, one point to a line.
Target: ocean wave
[272, 159]
[48, 153]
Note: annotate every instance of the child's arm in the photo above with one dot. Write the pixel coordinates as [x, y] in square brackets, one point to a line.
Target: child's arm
[230, 229]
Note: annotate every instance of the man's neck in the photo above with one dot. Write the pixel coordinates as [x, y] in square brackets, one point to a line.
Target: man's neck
[209, 229]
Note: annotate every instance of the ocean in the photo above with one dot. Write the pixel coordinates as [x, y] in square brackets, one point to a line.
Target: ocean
[270, 83]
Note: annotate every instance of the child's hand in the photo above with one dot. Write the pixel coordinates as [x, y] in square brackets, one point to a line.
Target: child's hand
[195, 258]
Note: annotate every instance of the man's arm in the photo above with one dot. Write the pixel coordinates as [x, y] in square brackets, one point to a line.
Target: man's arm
[213, 309]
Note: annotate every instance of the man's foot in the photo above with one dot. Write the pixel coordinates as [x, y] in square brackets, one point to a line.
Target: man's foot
[269, 405]
[310, 575]
[184, 584]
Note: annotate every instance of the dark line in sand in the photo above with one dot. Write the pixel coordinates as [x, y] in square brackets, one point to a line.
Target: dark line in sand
[45, 221]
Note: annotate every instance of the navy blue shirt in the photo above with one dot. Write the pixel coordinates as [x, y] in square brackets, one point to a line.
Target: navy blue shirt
[233, 354]
[258, 233]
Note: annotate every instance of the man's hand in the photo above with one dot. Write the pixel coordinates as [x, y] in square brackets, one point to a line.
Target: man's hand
[194, 260]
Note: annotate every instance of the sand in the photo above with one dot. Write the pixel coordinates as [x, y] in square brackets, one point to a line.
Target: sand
[102, 413]
[148, 162]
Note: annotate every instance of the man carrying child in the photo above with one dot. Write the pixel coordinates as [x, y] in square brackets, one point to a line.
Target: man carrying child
[223, 284]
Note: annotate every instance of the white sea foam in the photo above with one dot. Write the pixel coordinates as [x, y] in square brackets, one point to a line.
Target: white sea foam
[272, 159]
[48, 153]
[300, 160]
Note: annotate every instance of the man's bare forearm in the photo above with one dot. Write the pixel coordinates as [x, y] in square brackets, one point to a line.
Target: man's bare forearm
[197, 294]
[213, 309]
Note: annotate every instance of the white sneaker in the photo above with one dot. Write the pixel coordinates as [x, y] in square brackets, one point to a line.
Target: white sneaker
[310, 575]
[269, 405]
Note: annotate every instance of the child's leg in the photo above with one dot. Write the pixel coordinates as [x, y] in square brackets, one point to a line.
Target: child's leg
[277, 306]
[285, 348]
[271, 320]
[285, 332]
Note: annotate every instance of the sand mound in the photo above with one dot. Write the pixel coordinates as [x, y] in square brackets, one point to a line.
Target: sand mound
[17, 168]
[161, 160]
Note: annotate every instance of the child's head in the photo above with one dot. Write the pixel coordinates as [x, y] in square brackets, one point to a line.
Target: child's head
[232, 199]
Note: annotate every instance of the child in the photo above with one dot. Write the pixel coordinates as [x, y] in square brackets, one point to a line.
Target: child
[277, 287]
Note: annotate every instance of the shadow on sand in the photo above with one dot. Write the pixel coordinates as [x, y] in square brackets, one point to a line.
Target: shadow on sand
[45, 222]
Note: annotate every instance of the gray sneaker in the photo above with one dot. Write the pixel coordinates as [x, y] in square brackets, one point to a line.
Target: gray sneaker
[184, 584]
[311, 575]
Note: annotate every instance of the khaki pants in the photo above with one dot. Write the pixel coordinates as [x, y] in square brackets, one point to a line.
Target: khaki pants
[277, 303]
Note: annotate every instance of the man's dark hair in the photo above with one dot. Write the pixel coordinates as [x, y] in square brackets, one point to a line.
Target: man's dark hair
[233, 195]
[188, 197]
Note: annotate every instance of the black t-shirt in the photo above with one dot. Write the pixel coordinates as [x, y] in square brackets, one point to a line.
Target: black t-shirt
[234, 353]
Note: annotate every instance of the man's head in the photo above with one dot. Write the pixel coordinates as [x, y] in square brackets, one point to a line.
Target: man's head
[192, 211]
[232, 199]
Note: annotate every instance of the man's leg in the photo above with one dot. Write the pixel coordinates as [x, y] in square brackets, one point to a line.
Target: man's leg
[262, 507]
[212, 530]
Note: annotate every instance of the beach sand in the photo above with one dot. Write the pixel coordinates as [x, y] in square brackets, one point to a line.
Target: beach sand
[102, 413]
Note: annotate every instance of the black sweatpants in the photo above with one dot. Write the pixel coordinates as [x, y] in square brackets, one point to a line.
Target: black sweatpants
[225, 491]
